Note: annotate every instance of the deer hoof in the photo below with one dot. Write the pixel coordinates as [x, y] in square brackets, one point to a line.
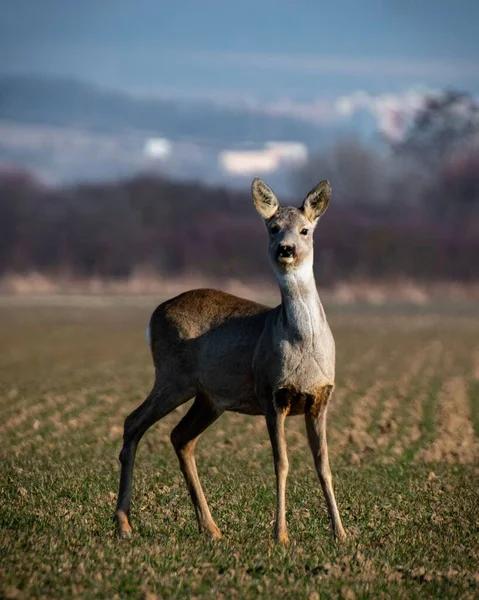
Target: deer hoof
[214, 532]
[123, 524]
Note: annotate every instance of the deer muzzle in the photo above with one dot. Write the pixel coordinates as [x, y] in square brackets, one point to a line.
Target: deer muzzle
[286, 253]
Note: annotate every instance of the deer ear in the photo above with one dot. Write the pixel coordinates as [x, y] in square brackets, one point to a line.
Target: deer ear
[264, 199]
[316, 202]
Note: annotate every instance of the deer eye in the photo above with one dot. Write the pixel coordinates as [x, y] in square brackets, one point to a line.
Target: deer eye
[274, 229]
[304, 231]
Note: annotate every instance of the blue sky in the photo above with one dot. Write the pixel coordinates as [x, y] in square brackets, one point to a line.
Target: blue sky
[261, 49]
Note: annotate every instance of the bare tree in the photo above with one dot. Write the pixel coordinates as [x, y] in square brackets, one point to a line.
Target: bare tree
[357, 172]
[445, 123]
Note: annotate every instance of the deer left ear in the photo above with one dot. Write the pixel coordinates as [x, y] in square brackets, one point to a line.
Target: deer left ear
[316, 202]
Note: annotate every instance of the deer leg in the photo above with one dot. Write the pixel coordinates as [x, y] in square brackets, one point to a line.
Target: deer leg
[275, 417]
[157, 405]
[184, 437]
[316, 430]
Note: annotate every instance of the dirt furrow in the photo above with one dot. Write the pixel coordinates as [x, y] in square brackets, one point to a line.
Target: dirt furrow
[455, 440]
[355, 433]
[51, 424]
[38, 411]
[400, 423]
[389, 419]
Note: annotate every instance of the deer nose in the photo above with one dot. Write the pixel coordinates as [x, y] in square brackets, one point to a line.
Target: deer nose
[287, 250]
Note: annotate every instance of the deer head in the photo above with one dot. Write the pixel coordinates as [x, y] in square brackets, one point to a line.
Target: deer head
[290, 229]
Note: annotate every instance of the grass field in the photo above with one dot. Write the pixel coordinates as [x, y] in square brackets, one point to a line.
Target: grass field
[404, 445]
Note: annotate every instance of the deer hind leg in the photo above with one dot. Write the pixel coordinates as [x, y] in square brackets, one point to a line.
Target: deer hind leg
[184, 437]
[316, 430]
[161, 400]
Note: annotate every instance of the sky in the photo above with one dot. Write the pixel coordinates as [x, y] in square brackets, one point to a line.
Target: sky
[360, 65]
[297, 51]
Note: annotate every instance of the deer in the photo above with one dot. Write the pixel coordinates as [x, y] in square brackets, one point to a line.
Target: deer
[233, 354]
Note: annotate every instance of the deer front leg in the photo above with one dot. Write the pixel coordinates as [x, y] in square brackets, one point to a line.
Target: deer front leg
[316, 430]
[275, 417]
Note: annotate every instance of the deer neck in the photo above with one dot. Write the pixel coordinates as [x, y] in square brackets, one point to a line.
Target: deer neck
[301, 314]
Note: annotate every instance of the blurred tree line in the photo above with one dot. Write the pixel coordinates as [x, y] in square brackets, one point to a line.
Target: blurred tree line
[412, 212]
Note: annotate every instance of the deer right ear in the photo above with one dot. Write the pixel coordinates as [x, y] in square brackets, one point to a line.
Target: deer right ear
[264, 199]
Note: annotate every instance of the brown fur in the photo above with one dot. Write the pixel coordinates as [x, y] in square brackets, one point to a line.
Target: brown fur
[236, 355]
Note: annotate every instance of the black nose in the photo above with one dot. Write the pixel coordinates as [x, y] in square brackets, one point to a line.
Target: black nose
[286, 250]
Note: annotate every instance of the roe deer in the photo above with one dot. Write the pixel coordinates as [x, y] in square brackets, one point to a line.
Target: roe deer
[233, 354]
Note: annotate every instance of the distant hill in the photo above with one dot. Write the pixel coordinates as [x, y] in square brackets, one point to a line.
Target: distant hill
[72, 130]
[64, 102]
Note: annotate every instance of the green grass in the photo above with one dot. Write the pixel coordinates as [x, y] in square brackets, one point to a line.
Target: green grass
[474, 400]
[69, 374]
